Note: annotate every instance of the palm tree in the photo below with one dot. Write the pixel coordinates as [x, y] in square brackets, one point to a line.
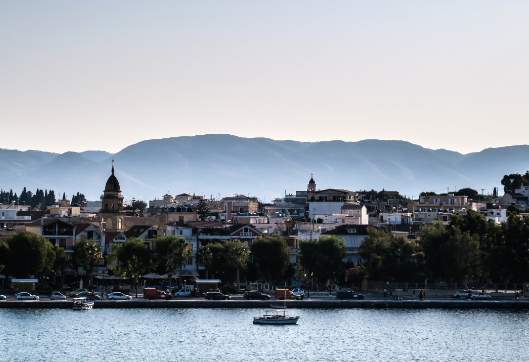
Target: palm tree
[204, 256]
[178, 251]
[237, 256]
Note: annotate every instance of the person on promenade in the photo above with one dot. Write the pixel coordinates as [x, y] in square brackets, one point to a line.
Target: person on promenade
[385, 292]
[102, 295]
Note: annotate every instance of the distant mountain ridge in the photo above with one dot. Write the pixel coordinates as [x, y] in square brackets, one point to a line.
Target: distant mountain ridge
[266, 168]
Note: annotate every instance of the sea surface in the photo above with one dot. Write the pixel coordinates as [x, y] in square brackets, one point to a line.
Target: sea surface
[229, 335]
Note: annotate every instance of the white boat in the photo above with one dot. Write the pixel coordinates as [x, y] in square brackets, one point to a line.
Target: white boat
[82, 304]
[275, 316]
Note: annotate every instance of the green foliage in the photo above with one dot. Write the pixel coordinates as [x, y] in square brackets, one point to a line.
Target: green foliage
[323, 258]
[130, 259]
[514, 181]
[356, 274]
[390, 257]
[271, 255]
[172, 251]
[4, 255]
[202, 210]
[204, 256]
[29, 254]
[139, 205]
[225, 258]
[467, 191]
[237, 255]
[87, 253]
[381, 196]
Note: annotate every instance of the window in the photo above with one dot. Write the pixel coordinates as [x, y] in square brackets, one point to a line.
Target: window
[62, 243]
[180, 219]
[180, 232]
[151, 234]
[89, 234]
[189, 261]
[52, 241]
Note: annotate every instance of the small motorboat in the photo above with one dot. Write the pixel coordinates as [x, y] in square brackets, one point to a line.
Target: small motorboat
[275, 316]
[82, 304]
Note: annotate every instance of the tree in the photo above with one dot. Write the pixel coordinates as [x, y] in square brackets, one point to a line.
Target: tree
[356, 274]
[467, 191]
[174, 250]
[237, 255]
[323, 258]
[514, 181]
[4, 255]
[204, 256]
[271, 256]
[60, 263]
[130, 259]
[87, 254]
[202, 210]
[388, 256]
[139, 205]
[29, 254]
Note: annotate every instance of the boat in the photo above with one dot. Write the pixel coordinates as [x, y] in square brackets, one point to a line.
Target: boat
[82, 304]
[275, 316]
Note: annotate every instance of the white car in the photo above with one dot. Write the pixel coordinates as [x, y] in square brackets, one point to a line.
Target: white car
[184, 292]
[480, 296]
[57, 296]
[298, 292]
[26, 296]
[118, 296]
[3, 297]
[462, 294]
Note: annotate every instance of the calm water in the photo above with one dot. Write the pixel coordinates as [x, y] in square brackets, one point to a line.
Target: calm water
[229, 335]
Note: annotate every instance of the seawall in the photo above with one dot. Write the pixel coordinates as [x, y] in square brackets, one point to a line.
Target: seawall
[258, 304]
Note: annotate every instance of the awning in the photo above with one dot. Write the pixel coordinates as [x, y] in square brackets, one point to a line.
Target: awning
[155, 276]
[185, 273]
[24, 280]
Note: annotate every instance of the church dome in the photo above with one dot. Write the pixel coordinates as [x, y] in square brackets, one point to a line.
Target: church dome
[112, 184]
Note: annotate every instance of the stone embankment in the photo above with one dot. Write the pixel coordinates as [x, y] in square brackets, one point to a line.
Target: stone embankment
[345, 304]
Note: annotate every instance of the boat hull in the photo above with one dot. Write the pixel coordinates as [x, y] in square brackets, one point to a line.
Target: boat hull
[276, 321]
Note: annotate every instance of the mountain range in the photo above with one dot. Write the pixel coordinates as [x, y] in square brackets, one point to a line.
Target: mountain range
[223, 165]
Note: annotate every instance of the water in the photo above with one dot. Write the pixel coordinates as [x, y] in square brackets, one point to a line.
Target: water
[229, 335]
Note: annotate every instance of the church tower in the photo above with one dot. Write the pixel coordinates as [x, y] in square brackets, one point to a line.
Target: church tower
[312, 185]
[112, 201]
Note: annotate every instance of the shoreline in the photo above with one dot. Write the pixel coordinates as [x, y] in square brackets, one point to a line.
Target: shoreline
[298, 304]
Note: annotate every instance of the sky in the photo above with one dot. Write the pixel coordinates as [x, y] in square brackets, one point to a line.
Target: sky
[102, 75]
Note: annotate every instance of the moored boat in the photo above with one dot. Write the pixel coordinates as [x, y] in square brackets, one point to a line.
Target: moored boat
[275, 317]
[82, 304]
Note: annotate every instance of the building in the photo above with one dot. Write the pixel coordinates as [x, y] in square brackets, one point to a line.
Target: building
[146, 233]
[112, 200]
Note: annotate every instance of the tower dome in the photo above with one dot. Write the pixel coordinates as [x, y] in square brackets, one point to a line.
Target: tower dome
[111, 200]
[112, 184]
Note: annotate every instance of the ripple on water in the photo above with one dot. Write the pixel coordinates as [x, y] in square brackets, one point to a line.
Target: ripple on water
[222, 335]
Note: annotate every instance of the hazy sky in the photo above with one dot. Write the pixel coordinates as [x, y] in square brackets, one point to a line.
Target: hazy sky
[80, 75]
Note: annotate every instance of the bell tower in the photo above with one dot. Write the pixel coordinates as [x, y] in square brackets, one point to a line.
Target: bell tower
[112, 201]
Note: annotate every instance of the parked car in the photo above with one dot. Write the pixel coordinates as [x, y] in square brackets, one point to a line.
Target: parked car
[153, 293]
[57, 296]
[348, 294]
[216, 296]
[26, 296]
[87, 295]
[462, 294]
[3, 297]
[255, 295]
[479, 295]
[299, 292]
[183, 292]
[118, 296]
